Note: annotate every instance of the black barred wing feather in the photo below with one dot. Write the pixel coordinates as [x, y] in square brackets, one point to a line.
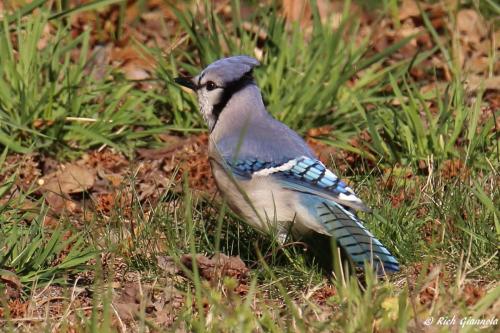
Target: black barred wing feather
[303, 174]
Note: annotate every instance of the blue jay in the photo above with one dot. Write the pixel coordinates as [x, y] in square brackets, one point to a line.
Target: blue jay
[269, 175]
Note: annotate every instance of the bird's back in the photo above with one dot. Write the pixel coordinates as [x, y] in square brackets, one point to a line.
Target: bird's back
[246, 130]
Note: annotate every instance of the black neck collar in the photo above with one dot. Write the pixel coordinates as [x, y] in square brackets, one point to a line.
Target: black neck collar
[228, 91]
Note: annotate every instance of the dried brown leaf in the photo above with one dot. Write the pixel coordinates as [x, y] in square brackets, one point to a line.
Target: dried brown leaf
[408, 9]
[473, 293]
[218, 266]
[323, 294]
[454, 168]
[73, 178]
[17, 308]
[471, 26]
[12, 284]
[167, 264]
[128, 304]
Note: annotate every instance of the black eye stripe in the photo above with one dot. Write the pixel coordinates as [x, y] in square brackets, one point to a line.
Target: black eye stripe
[229, 90]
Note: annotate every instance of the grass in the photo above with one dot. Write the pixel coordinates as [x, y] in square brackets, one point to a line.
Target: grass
[304, 82]
[429, 169]
[55, 104]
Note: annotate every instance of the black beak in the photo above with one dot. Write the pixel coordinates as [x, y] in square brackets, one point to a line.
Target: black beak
[186, 81]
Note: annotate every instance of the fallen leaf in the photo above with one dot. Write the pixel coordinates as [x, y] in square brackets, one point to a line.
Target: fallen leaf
[167, 306]
[69, 179]
[128, 304]
[475, 82]
[134, 72]
[25, 167]
[167, 264]
[297, 10]
[470, 26]
[107, 160]
[12, 283]
[323, 294]
[454, 168]
[17, 308]
[242, 289]
[397, 199]
[473, 293]
[126, 311]
[218, 266]
[72, 178]
[408, 9]
[60, 202]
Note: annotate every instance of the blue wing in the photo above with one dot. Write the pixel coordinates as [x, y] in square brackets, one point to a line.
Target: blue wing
[326, 198]
[303, 174]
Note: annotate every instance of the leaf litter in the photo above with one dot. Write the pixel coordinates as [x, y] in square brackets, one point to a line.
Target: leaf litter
[104, 174]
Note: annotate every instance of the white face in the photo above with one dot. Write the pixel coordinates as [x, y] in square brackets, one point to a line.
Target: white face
[209, 95]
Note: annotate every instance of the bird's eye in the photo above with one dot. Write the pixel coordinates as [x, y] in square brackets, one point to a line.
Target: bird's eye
[211, 85]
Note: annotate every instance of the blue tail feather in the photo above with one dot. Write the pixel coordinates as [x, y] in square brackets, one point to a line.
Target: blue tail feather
[352, 236]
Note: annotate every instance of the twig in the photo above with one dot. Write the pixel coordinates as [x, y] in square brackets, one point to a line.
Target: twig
[81, 119]
[482, 264]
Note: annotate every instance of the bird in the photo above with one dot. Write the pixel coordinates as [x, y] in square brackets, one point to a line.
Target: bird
[270, 176]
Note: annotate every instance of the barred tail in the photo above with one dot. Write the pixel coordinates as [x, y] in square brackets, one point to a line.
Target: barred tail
[354, 239]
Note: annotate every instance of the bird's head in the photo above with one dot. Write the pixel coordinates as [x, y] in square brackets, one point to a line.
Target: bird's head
[218, 82]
